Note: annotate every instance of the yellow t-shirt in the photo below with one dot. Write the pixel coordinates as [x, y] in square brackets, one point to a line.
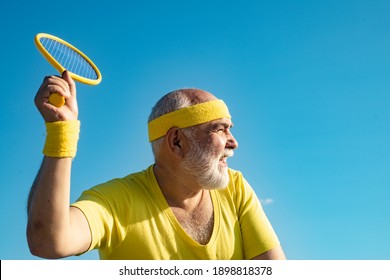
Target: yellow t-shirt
[129, 218]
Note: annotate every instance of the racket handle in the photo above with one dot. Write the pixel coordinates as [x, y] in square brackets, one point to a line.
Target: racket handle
[56, 99]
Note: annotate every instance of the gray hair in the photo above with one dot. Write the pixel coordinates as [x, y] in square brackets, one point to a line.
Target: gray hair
[170, 102]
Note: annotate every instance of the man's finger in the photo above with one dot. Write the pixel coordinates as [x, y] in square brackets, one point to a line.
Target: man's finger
[72, 86]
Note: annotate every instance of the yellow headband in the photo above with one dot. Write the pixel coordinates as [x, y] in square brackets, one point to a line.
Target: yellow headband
[186, 117]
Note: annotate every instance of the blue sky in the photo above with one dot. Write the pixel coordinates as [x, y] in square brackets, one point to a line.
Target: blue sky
[307, 83]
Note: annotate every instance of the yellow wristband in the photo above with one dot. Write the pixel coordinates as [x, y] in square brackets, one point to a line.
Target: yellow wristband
[61, 139]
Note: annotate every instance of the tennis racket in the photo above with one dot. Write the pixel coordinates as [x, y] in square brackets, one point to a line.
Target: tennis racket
[63, 56]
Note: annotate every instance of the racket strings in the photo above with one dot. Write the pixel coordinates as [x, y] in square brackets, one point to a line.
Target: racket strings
[69, 59]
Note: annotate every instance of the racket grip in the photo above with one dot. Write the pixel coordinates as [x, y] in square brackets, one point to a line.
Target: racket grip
[57, 100]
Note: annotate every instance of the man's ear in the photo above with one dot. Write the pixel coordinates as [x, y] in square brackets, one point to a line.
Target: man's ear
[174, 137]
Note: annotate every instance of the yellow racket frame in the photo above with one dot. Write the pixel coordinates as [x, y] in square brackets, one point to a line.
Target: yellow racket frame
[59, 67]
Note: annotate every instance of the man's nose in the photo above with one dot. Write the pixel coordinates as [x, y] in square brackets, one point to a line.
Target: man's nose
[231, 142]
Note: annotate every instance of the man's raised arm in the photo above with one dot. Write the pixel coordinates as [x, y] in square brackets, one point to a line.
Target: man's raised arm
[55, 229]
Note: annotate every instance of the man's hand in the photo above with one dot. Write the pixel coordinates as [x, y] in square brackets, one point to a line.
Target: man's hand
[64, 86]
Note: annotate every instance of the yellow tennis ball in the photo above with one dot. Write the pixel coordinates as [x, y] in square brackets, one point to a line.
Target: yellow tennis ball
[57, 100]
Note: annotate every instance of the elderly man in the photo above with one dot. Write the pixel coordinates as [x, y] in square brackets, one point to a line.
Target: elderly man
[187, 205]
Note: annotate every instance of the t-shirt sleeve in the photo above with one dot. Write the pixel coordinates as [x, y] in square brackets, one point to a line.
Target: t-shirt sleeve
[100, 214]
[257, 232]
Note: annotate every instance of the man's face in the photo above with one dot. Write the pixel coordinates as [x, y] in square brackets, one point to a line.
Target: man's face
[211, 145]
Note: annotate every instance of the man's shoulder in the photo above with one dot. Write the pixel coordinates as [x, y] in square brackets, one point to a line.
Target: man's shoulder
[234, 174]
[119, 193]
[127, 182]
[237, 181]
[143, 175]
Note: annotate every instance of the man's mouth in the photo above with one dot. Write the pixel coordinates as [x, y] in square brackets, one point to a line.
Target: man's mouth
[226, 154]
[223, 159]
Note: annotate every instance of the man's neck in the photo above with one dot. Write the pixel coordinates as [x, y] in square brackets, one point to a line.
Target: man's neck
[178, 191]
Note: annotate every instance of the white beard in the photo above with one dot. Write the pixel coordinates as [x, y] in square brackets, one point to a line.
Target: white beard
[204, 167]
